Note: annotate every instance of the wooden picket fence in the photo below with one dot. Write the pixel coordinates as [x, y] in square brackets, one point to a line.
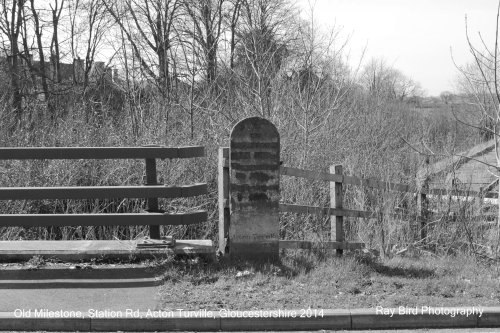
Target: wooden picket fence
[336, 211]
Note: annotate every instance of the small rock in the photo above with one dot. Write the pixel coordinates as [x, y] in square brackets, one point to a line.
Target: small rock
[194, 261]
[244, 273]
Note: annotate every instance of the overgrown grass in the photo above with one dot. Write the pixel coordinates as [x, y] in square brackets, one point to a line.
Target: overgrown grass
[363, 135]
[302, 280]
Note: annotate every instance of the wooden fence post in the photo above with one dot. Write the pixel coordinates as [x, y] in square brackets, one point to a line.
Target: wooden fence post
[423, 208]
[223, 183]
[336, 197]
[154, 230]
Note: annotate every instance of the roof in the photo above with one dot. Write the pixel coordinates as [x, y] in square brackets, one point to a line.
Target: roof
[473, 169]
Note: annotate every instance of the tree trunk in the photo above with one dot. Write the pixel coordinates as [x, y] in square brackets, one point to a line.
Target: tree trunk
[14, 77]
[163, 69]
[17, 19]
[211, 45]
[42, 69]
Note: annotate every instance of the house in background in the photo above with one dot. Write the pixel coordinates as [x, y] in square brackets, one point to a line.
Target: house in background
[473, 170]
[66, 73]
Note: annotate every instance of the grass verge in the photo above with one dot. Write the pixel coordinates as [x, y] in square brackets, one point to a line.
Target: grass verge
[302, 280]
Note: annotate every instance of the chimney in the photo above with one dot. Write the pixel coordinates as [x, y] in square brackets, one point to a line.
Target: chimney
[109, 74]
[27, 60]
[97, 70]
[52, 66]
[78, 70]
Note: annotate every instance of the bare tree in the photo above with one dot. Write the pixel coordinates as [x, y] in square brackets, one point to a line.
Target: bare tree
[73, 9]
[96, 24]
[234, 15]
[55, 54]
[385, 82]
[10, 25]
[149, 28]
[265, 30]
[42, 68]
[320, 80]
[480, 83]
[207, 17]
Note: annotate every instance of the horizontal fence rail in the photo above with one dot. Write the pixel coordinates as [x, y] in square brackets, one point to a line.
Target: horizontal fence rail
[326, 211]
[377, 184]
[459, 193]
[65, 153]
[125, 219]
[373, 183]
[309, 245]
[101, 192]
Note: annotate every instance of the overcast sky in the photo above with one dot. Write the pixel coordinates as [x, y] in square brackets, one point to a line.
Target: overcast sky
[415, 36]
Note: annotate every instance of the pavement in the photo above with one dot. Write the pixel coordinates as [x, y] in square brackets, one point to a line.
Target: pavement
[76, 289]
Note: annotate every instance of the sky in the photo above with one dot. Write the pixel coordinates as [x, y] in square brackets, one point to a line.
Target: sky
[418, 37]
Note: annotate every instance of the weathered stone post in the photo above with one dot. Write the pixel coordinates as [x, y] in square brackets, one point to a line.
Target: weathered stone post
[254, 189]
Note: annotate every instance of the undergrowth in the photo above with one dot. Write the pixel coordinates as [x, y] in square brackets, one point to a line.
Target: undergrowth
[369, 148]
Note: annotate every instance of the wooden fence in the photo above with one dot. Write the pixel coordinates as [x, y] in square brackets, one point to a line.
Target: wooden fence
[152, 190]
[336, 211]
